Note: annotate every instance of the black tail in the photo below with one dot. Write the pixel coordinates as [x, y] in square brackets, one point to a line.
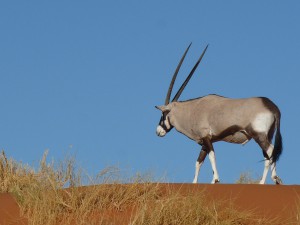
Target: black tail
[278, 141]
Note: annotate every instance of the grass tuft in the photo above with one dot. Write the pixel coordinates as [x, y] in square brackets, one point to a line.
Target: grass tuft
[247, 178]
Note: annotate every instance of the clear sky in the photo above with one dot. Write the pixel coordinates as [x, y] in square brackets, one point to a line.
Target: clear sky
[83, 77]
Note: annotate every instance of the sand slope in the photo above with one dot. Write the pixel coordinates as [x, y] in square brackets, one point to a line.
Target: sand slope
[9, 211]
[271, 201]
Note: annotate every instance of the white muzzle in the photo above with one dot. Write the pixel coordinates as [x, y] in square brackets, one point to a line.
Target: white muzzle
[160, 131]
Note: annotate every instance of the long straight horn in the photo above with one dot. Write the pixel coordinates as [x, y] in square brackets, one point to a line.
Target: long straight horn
[189, 76]
[175, 75]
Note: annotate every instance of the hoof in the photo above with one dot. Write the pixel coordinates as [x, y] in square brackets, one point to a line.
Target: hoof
[277, 180]
[260, 182]
[216, 181]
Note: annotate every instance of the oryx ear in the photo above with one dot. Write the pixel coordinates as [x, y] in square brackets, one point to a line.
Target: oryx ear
[163, 108]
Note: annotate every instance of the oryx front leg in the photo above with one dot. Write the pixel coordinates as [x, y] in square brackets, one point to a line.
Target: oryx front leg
[211, 154]
[212, 159]
[199, 162]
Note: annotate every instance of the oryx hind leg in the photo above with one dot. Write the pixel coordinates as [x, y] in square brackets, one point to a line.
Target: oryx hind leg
[199, 162]
[267, 147]
[267, 155]
[274, 175]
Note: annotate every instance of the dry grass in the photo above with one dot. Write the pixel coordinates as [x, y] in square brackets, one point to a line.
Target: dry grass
[54, 194]
[247, 178]
[189, 210]
[194, 209]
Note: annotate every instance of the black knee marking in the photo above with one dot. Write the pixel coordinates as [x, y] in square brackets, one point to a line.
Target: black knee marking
[207, 145]
[202, 155]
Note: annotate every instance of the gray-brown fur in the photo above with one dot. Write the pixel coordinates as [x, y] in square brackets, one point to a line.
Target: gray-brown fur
[216, 117]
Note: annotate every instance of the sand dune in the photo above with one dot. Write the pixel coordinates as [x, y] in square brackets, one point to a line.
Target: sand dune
[272, 201]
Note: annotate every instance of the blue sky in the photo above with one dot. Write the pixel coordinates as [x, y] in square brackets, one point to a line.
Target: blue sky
[83, 77]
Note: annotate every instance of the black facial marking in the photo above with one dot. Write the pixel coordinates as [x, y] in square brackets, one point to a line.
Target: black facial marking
[162, 122]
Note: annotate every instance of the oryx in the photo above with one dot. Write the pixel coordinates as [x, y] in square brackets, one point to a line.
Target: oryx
[215, 118]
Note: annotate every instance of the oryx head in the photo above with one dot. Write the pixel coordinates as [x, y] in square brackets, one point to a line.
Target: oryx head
[165, 125]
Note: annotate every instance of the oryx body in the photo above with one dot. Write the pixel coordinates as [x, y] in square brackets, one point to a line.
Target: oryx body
[215, 118]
